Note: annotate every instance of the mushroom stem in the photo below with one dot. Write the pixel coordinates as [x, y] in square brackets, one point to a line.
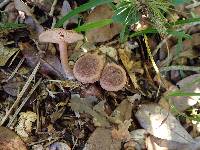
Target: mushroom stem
[64, 60]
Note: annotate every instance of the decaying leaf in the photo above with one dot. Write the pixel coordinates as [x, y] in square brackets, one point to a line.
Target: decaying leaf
[153, 143]
[189, 84]
[122, 113]
[21, 6]
[24, 126]
[10, 140]
[13, 87]
[101, 139]
[57, 114]
[109, 51]
[6, 53]
[82, 106]
[122, 132]
[125, 57]
[139, 137]
[104, 33]
[50, 64]
[162, 124]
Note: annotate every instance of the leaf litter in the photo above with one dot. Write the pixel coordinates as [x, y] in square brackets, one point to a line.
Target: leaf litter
[51, 112]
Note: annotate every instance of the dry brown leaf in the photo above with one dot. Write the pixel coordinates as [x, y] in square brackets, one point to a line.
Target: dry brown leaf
[24, 126]
[6, 53]
[50, 64]
[122, 133]
[13, 87]
[153, 143]
[162, 124]
[104, 33]
[122, 113]
[189, 84]
[10, 140]
[21, 6]
[101, 139]
[82, 105]
[125, 57]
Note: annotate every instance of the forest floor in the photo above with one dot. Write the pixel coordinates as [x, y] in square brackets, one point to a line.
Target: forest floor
[53, 97]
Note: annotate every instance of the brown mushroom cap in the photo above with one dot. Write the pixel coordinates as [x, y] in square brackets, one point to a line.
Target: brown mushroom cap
[58, 35]
[113, 77]
[88, 68]
[9, 140]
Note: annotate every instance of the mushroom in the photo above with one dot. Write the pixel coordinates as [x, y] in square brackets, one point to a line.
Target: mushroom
[9, 140]
[113, 77]
[62, 37]
[88, 68]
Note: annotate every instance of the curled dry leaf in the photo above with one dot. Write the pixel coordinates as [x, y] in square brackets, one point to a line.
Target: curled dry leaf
[153, 143]
[6, 53]
[12, 87]
[189, 84]
[101, 139]
[24, 126]
[50, 64]
[125, 57]
[109, 51]
[122, 113]
[138, 136]
[162, 124]
[21, 6]
[122, 132]
[104, 33]
[9, 140]
[82, 105]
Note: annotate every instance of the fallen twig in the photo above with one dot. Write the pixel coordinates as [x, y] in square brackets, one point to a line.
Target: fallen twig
[21, 93]
[24, 102]
[189, 68]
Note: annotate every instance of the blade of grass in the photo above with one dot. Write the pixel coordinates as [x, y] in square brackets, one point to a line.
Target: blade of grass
[182, 93]
[152, 30]
[80, 9]
[4, 26]
[93, 25]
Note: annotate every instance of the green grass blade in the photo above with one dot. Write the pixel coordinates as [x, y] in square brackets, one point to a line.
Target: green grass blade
[181, 93]
[183, 22]
[80, 9]
[4, 26]
[93, 25]
[152, 30]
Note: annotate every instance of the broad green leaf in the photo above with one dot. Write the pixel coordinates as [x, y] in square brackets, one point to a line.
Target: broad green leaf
[93, 25]
[126, 13]
[82, 8]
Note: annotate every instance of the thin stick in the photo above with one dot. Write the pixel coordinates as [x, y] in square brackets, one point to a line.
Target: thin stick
[24, 102]
[16, 69]
[21, 93]
[190, 68]
[53, 7]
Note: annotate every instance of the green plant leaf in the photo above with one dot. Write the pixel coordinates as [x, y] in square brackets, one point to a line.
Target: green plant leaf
[82, 8]
[93, 25]
[124, 34]
[4, 26]
[126, 13]
[178, 2]
[179, 22]
[181, 93]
